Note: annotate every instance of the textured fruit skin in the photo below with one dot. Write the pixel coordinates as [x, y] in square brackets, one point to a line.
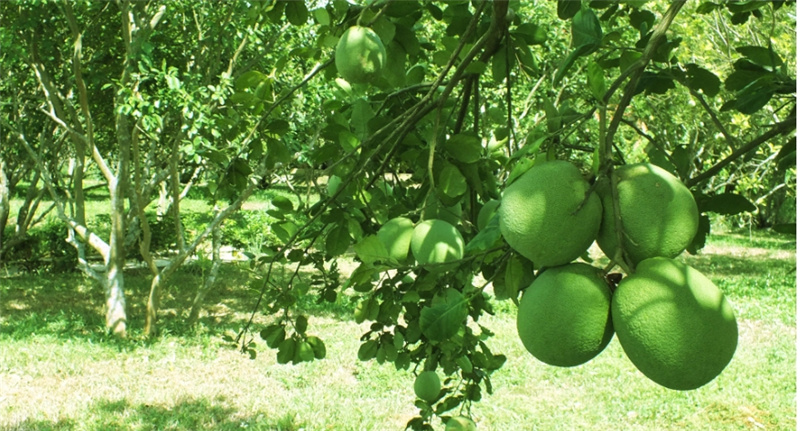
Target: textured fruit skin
[360, 55]
[460, 423]
[538, 215]
[564, 317]
[395, 235]
[659, 214]
[436, 241]
[427, 386]
[674, 324]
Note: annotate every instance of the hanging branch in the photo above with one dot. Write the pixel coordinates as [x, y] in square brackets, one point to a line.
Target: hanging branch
[782, 128]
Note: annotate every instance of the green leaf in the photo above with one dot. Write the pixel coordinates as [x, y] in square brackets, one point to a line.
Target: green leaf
[726, 204]
[370, 249]
[321, 16]
[655, 83]
[318, 347]
[282, 203]
[451, 182]
[707, 7]
[703, 230]
[518, 275]
[368, 350]
[338, 240]
[464, 147]
[305, 352]
[296, 12]
[566, 9]
[273, 335]
[362, 113]
[500, 65]
[532, 34]
[595, 77]
[764, 57]
[301, 324]
[702, 79]
[286, 351]
[445, 316]
[587, 34]
[249, 79]
[486, 237]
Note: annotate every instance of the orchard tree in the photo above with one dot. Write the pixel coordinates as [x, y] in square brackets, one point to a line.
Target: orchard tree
[400, 141]
[470, 96]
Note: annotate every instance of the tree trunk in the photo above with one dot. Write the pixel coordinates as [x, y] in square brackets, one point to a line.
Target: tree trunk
[5, 205]
[116, 318]
[208, 283]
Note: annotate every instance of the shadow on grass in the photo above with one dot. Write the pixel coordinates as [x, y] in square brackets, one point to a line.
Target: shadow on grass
[71, 305]
[189, 415]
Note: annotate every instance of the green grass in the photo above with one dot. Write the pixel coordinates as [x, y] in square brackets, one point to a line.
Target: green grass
[59, 371]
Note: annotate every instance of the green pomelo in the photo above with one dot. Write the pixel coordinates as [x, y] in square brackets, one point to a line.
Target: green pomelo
[658, 213]
[545, 216]
[488, 210]
[564, 317]
[674, 324]
[436, 241]
[360, 55]
[427, 386]
[460, 423]
[396, 235]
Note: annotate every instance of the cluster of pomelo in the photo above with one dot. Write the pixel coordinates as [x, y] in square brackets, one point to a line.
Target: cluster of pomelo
[673, 323]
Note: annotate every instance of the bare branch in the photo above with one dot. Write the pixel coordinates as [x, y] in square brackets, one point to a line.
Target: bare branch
[782, 128]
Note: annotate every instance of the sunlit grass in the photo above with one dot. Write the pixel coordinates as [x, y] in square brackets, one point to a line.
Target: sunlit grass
[59, 371]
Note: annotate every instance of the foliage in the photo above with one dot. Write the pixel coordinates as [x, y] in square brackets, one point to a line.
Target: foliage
[244, 96]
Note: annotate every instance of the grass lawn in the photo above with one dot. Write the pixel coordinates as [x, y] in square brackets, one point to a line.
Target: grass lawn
[58, 371]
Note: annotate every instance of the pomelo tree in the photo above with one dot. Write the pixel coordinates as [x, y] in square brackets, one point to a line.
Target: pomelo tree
[471, 96]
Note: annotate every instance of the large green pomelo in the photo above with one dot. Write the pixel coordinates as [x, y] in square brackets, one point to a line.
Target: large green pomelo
[674, 324]
[360, 55]
[396, 235]
[460, 423]
[436, 241]
[541, 216]
[659, 214]
[427, 386]
[564, 317]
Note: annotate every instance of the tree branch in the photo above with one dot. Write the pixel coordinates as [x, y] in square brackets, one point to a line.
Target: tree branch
[778, 129]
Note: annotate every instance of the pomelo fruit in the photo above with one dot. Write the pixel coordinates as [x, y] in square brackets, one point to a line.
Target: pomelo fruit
[564, 317]
[460, 423]
[545, 216]
[360, 55]
[436, 241]
[395, 235]
[674, 324]
[427, 386]
[659, 214]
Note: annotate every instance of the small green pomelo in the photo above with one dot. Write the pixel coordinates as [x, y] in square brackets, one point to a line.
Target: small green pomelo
[658, 213]
[564, 317]
[460, 423]
[674, 324]
[360, 55]
[396, 235]
[427, 386]
[545, 214]
[436, 241]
